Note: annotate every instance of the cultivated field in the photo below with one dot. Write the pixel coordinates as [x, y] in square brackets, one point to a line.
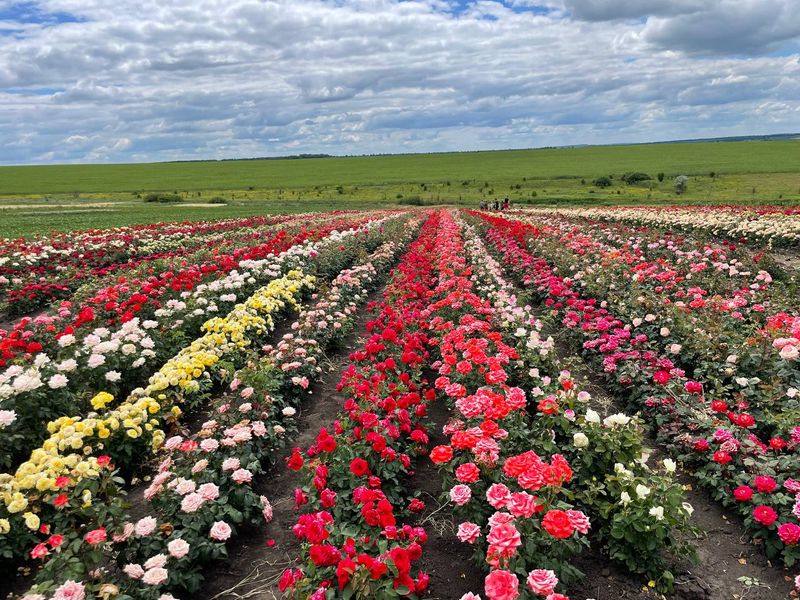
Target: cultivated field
[40, 198]
[544, 403]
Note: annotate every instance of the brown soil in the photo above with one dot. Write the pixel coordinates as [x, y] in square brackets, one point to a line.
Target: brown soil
[447, 560]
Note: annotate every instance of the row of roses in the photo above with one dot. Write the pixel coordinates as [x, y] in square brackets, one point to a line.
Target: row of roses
[127, 431]
[63, 381]
[716, 330]
[353, 493]
[38, 272]
[708, 435]
[507, 431]
[201, 492]
[775, 225]
[147, 289]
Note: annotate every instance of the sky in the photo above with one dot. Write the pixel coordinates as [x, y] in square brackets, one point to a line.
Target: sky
[134, 81]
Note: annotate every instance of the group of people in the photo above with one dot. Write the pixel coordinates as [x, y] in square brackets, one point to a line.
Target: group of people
[498, 205]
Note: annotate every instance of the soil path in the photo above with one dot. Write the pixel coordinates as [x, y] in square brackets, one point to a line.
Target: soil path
[447, 560]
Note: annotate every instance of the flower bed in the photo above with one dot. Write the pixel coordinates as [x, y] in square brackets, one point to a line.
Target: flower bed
[201, 493]
[713, 436]
[88, 361]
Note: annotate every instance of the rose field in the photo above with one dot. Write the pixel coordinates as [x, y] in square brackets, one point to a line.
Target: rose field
[544, 403]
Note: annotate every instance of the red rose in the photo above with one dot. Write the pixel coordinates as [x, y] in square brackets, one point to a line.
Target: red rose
[441, 454]
[296, 461]
[661, 377]
[693, 387]
[103, 460]
[468, 473]
[96, 536]
[701, 445]
[55, 540]
[789, 533]
[777, 443]
[765, 515]
[359, 467]
[743, 493]
[765, 484]
[722, 457]
[719, 406]
[548, 406]
[558, 524]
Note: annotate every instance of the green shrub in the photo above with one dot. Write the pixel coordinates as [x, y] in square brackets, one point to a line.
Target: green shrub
[163, 198]
[217, 200]
[634, 177]
[602, 182]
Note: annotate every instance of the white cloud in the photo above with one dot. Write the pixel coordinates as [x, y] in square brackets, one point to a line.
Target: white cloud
[171, 79]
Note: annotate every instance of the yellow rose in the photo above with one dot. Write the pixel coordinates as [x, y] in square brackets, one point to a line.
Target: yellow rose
[100, 400]
[17, 504]
[32, 522]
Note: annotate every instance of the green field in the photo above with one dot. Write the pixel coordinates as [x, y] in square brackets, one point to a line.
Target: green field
[40, 198]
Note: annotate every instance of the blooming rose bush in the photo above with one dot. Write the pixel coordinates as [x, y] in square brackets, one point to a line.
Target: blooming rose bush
[81, 361]
[715, 436]
[201, 491]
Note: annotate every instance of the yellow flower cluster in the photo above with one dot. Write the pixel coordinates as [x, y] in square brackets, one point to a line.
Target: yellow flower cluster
[73, 440]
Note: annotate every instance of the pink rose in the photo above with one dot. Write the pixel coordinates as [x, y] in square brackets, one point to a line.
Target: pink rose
[191, 502]
[460, 494]
[155, 576]
[266, 510]
[178, 548]
[501, 585]
[231, 464]
[173, 442]
[503, 539]
[209, 445]
[500, 518]
[133, 570]
[220, 531]
[242, 476]
[70, 590]
[579, 521]
[468, 532]
[498, 495]
[542, 581]
[208, 491]
[185, 486]
[522, 504]
[155, 562]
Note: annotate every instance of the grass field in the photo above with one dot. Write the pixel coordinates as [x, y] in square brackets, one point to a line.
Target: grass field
[39, 198]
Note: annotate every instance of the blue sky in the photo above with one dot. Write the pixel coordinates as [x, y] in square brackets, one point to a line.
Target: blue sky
[109, 81]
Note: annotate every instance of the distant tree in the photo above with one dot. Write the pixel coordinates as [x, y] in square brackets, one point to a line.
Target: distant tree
[660, 176]
[712, 174]
[681, 184]
[602, 182]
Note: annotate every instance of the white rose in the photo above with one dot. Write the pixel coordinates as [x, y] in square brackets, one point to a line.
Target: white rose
[592, 416]
[579, 440]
